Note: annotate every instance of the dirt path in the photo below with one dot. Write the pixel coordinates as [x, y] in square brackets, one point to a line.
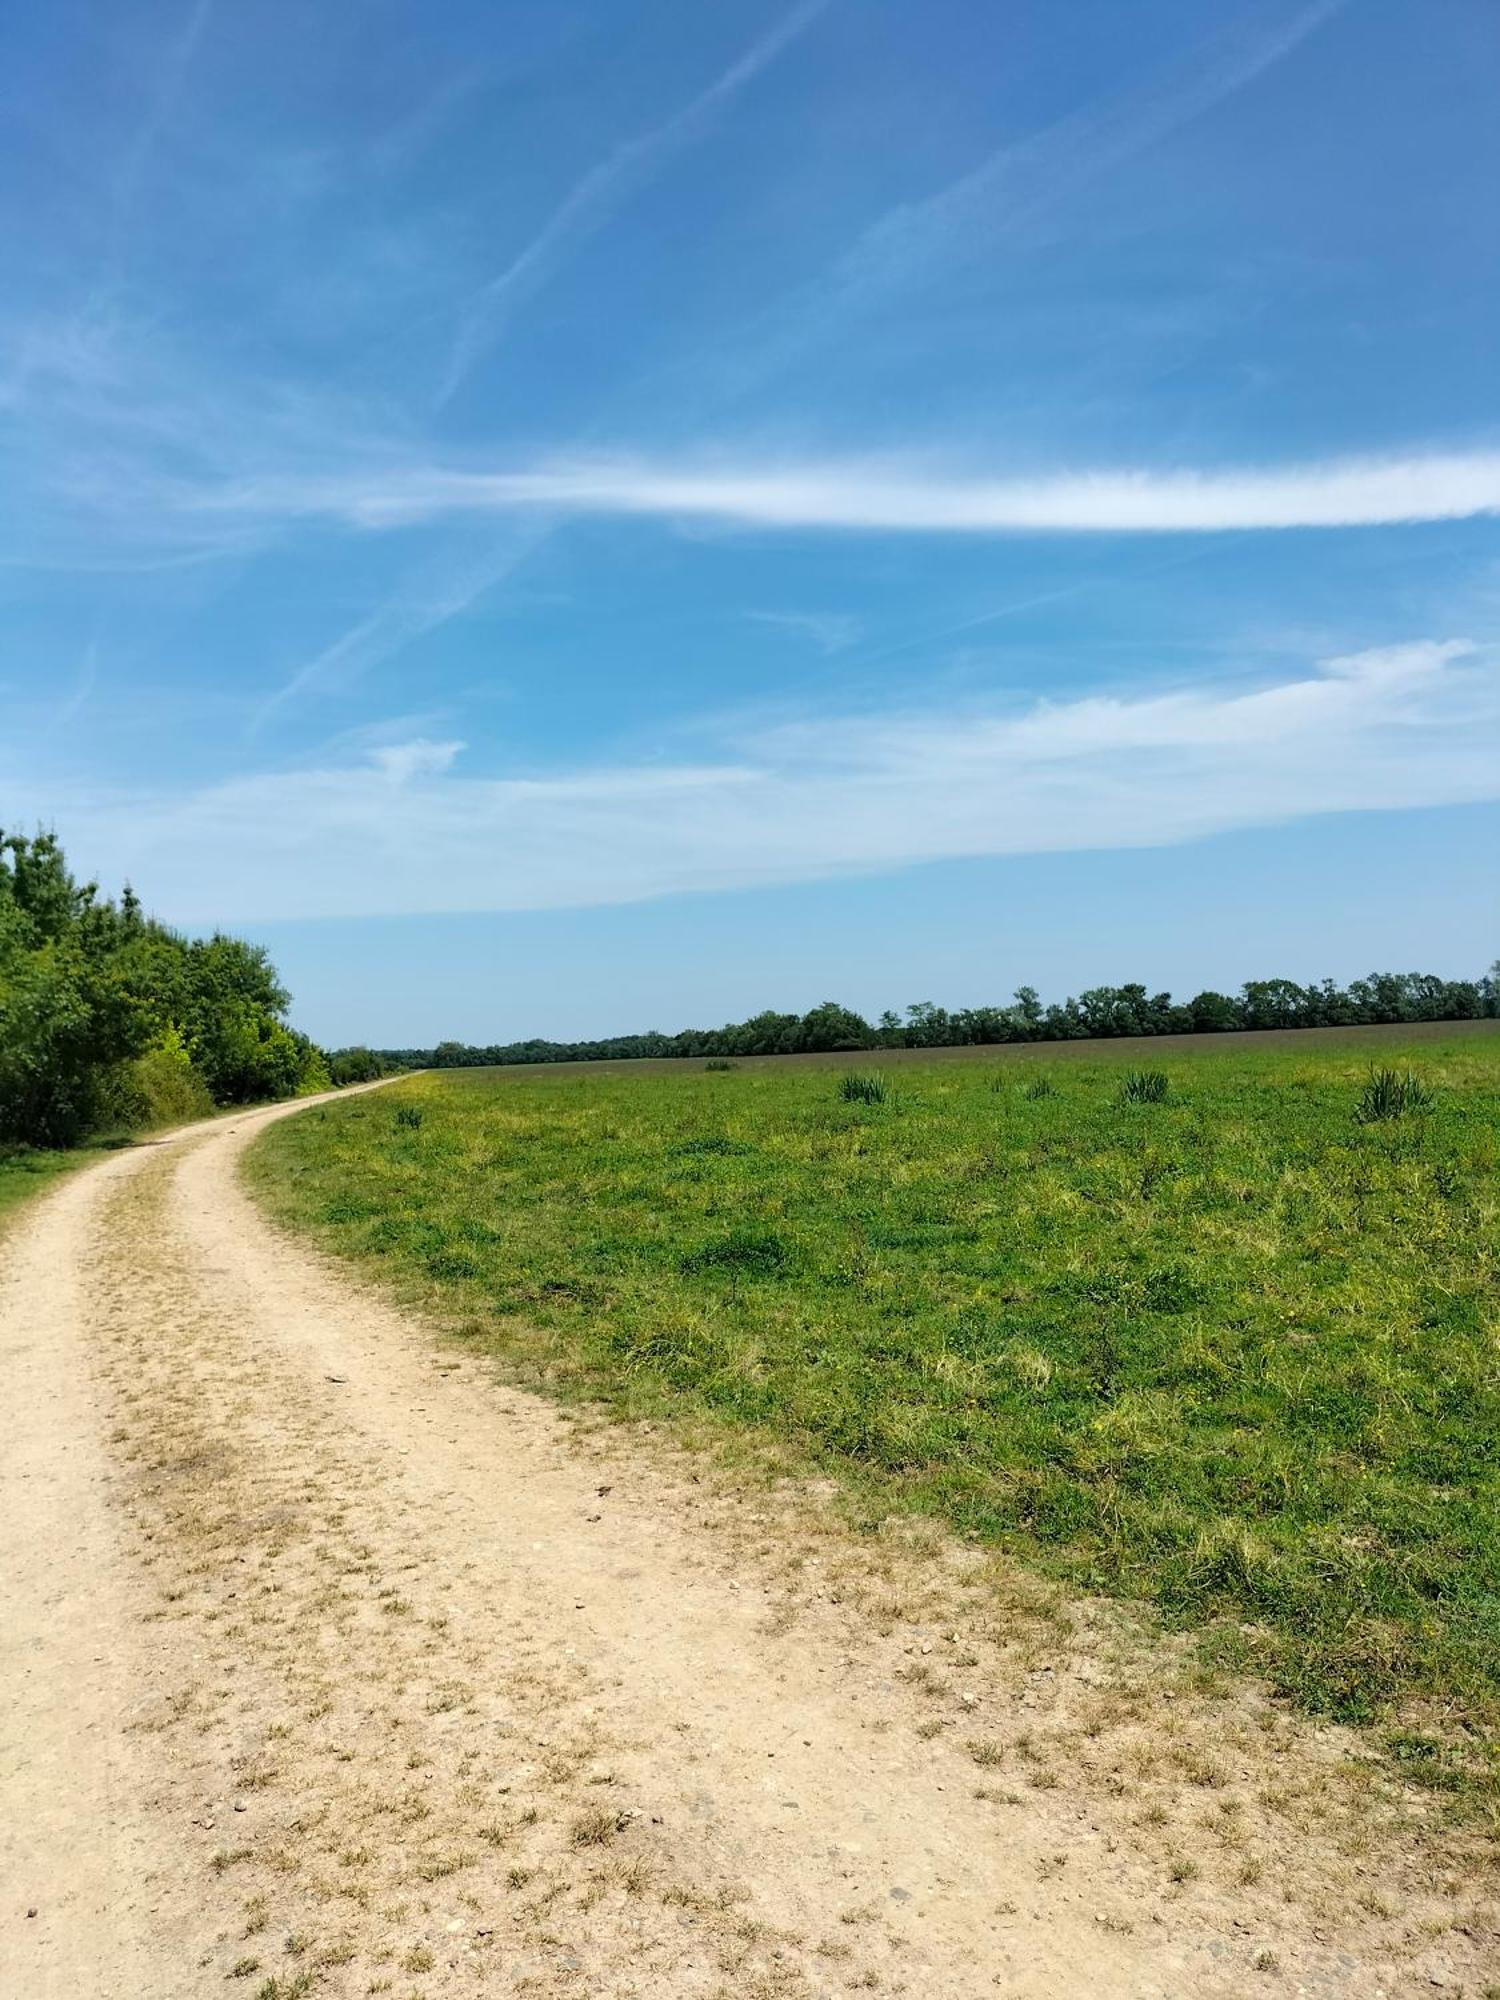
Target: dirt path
[331, 1664]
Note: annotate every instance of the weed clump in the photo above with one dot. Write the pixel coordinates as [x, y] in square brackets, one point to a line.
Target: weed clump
[1039, 1086]
[718, 1063]
[864, 1087]
[1391, 1093]
[1144, 1086]
[756, 1252]
[408, 1117]
[597, 1827]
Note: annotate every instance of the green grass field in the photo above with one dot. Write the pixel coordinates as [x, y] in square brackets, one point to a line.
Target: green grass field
[1236, 1352]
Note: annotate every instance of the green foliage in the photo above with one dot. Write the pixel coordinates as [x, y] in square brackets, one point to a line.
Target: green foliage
[109, 1020]
[1039, 1087]
[160, 1087]
[1099, 1013]
[408, 1117]
[1237, 1359]
[356, 1065]
[864, 1087]
[718, 1063]
[1391, 1093]
[1144, 1086]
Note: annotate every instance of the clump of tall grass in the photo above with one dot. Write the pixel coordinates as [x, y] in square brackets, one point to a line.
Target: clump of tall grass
[1391, 1093]
[1039, 1086]
[718, 1062]
[1144, 1086]
[864, 1087]
[408, 1117]
[757, 1252]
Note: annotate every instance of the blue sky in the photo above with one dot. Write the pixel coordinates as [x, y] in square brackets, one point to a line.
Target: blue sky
[565, 519]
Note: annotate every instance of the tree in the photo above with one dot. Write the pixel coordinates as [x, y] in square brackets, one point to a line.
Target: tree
[830, 1026]
[66, 1010]
[1098, 1011]
[107, 1017]
[356, 1065]
[1214, 1013]
[1274, 1003]
[1026, 1011]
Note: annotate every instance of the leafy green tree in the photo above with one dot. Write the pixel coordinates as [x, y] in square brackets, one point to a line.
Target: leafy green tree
[109, 1018]
[1275, 1003]
[356, 1065]
[831, 1026]
[1098, 1011]
[1214, 1013]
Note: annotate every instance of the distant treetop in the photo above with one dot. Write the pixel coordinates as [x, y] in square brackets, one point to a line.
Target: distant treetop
[1100, 1011]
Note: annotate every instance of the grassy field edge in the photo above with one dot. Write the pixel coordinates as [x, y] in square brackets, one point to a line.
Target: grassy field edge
[636, 1242]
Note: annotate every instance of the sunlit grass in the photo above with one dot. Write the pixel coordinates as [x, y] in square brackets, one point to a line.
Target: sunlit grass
[27, 1170]
[1232, 1349]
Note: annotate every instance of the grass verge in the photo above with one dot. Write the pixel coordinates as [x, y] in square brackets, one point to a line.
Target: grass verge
[1229, 1347]
[27, 1170]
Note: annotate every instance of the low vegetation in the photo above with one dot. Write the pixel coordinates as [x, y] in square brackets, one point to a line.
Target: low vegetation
[860, 1087]
[1392, 1093]
[1222, 1335]
[1144, 1086]
[26, 1170]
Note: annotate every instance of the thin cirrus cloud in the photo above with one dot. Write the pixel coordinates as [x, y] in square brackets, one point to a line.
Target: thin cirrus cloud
[829, 631]
[406, 831]
[602, 190]
[444, 590]
[1020, 186]
[887, 497]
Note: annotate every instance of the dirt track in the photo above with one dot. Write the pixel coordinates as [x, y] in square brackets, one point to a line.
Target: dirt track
[328, 1658]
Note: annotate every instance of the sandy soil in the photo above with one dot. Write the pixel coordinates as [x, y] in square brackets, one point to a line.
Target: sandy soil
[330, 1663]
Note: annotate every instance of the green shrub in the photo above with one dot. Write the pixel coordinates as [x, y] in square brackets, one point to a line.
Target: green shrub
[864, 1087]
[158, 1088]
[1391, 1093]
[1144, 1086]
[313, 1073]
[354, 1065]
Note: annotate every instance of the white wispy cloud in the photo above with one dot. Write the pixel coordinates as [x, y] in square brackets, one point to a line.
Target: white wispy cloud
[1017, 188]
[887, 496]
[590, 203]
[443, 590]
[419, 758]
[407, 829]
[829, 631]
[168, 80]
[88, 677]
[1025, 180]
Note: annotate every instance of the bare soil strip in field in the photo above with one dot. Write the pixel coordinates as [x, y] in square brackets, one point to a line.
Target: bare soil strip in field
[334, 1665]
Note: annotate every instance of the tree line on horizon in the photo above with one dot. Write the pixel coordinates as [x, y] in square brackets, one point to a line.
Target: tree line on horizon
[111, 1022]
[1101, 1012]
